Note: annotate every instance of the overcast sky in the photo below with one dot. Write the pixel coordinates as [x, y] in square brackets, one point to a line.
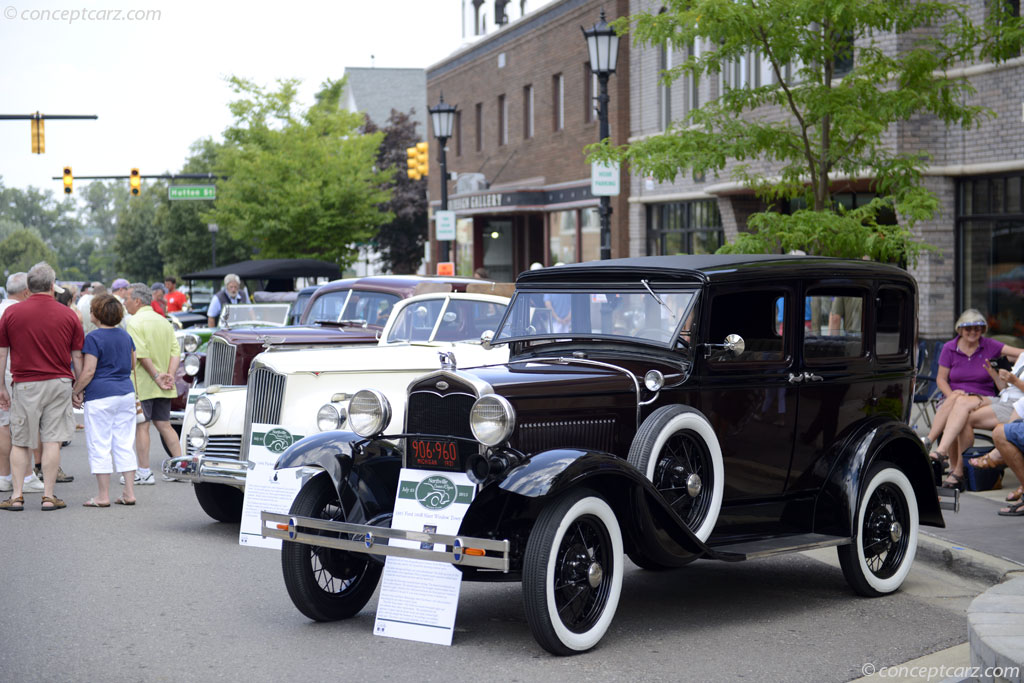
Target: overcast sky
[157, 83]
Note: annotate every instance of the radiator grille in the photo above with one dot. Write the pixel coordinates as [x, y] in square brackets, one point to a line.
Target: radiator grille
[264, 397]
[430, 413]
[593, 434]
[223, 446]
[220, 362]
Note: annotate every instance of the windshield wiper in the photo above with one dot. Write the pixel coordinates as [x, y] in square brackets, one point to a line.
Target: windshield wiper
[657, 298]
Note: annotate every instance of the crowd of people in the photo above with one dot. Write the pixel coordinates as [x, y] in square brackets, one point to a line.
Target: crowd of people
[114, 355]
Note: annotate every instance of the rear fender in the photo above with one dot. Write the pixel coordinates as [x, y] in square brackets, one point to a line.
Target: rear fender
[894, 442]
[370, 468]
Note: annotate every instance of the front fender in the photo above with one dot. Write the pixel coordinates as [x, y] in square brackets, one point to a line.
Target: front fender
[881, 439]
[650, 525]
[370, 468]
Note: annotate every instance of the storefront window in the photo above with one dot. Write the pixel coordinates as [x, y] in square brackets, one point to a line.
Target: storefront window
[590, 234]
[693, 227]
[563, 237]
[464, 247]
[497, 243]
[990, 225]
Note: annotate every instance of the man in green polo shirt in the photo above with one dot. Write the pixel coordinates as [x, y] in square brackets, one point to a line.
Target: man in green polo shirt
[157, 353]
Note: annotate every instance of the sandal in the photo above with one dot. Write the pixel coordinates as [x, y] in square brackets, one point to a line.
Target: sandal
[55, 503]
[1015, 510]
[13, 504]
[987, 462]
[1016, 495]
[122, 501]
[954, 481]
[91, 503]
[941, 457]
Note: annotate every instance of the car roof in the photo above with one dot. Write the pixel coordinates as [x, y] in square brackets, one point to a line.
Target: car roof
[402, 285]
[707, 268]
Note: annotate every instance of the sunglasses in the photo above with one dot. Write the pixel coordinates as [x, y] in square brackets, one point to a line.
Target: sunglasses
[974, 327]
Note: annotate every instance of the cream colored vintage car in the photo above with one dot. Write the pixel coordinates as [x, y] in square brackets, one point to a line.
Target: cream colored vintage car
[303, 391]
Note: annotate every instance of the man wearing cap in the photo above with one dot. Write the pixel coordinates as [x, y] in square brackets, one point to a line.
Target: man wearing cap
[119, 288]
[40, 336]
[159, 304]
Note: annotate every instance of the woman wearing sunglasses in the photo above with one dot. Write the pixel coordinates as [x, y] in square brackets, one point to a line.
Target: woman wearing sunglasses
[970, 388]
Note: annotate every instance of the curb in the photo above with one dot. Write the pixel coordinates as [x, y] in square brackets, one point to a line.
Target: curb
[964, 562]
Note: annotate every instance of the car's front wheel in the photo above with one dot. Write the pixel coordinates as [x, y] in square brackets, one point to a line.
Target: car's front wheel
[326, 584]
[572, 573]
[885, 538]
[220, 501]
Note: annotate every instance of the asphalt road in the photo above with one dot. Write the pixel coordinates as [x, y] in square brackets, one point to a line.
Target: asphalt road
[160, 592]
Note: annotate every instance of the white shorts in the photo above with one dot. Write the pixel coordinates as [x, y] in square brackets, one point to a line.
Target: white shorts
[110, 434]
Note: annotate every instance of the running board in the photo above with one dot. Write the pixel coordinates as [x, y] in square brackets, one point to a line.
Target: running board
[944, 495]
[778, 545]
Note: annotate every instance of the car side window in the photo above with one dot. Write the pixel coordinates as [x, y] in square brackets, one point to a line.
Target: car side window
[836, 325]
[891, 337]
[757, 316]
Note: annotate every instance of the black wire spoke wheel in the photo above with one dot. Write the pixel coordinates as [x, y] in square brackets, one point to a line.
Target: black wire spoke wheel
[326, 584]
[685, 477]
[885, 520]
[585, 549]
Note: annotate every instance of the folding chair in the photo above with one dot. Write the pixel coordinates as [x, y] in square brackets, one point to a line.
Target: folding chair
[926, 390]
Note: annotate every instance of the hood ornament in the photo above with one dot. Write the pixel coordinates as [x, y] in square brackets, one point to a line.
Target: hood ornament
[447, 360]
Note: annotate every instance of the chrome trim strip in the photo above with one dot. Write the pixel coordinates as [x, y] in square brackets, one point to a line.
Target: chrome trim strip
[206, 470]
[454, 552]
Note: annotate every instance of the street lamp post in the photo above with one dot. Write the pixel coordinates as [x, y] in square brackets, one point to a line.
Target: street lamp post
[213, 227]
[603, 46]
[442, 118]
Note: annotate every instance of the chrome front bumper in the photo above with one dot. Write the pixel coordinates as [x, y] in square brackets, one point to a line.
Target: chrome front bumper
[206, 469]
[372, 540]
[177, 417]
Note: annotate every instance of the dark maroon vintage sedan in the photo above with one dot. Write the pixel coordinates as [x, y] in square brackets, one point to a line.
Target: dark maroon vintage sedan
[350, 311]
[664, 409]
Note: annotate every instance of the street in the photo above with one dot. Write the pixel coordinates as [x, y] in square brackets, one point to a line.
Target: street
[160, 592]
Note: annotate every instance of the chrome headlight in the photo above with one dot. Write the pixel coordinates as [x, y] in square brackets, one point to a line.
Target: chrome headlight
[190, 343]
[654, 380]
[191, 365]
[368, 412]
[329, 417]
[206, 411]
[492, 419]
[197, 438]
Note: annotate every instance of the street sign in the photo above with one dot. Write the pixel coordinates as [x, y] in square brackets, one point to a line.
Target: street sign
[604, 179]
[191, 191]
[445, 225]
[446, 268]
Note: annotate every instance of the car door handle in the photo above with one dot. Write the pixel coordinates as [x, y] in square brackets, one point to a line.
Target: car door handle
[795, 379]
[810, 377]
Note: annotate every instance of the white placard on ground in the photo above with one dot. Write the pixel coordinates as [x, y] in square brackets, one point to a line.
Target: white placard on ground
[266, 488]
[418, 599]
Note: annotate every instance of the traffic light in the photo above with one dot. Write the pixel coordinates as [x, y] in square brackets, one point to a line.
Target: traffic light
[135, 182]
[414, 164]
[67, 180]
[422, 160]
[38, 135]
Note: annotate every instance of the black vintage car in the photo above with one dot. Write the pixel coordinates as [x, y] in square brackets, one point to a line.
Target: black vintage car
[664, 409]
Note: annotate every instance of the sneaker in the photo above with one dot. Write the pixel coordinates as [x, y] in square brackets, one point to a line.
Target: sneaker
[39, 472]
[64, 478]
[6, 485]
[148, 480]
[164, 477]
[33, 485]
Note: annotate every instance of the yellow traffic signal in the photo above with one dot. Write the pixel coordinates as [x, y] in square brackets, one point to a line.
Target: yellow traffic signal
[38, 135]
[422, 159]
[135, 182]
[67, 180]
[413, 162]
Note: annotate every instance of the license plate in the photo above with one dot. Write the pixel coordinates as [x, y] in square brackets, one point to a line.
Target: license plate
[433, 454]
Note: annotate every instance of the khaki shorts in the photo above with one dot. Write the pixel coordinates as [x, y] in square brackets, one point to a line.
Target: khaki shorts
[41, 408]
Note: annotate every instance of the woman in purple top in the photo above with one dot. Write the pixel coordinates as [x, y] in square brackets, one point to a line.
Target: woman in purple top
[105, 389]
[966, 380]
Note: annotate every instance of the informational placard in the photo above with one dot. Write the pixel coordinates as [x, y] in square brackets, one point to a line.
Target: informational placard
[604, 179]
[446, 268]
[266, 488]
[419, 599]
[445, 225]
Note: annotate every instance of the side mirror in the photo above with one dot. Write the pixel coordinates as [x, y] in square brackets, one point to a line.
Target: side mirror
[485, 339]
[733, 345]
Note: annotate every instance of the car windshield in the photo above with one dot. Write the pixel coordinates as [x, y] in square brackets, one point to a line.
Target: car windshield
[445, 320]
[238, 315]
[650, 314]
[352, 305]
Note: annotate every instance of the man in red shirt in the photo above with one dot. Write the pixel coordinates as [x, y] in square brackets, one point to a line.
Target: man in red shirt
[176, 300]
[43, 339]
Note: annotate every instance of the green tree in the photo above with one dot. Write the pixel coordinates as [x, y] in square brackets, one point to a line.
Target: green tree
[833, 124]
[138, 235]
[400, 242]
[23, 249]
[185, 242]
[40, 211]
[299, 184]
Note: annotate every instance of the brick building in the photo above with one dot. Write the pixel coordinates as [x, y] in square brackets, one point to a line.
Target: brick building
[525, 99]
